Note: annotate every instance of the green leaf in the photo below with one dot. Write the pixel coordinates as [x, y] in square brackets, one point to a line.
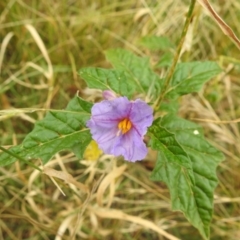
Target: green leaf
[190, 77]
[169, 106]
[175, 158]
[194, 198]
[137, 70]
[165, 60]
[156, 43]
[59, 130]
[110, 79]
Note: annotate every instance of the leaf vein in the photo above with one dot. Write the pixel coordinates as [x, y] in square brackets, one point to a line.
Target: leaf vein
[65, 123]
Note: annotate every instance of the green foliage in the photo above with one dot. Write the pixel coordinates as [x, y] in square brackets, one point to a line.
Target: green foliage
[137, 70]
[165, 60]
[159, 43]
[59, 130]
[169, 106]
[187, 164]
[108, 79]
[190, 77]
[156, 43]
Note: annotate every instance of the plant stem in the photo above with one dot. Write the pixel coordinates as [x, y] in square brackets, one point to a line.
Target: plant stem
[21, 159]
[177, 55]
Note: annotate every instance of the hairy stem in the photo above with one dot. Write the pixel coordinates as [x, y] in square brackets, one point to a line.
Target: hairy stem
[177, 55]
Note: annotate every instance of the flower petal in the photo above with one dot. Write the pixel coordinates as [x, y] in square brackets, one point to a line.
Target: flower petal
[104, 136]
[131, 146]
[108, 111]
[104, 121]
[141, 116]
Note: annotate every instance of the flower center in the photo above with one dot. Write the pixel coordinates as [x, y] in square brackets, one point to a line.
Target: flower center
[124, 126]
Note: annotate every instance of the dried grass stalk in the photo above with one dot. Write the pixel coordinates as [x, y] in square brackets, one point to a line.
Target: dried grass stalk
[225, 28]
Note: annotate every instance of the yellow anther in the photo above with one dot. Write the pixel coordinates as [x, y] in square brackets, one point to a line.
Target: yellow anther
[125, 125]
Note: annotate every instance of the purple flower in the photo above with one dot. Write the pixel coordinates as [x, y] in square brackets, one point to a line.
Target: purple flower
[118, 126]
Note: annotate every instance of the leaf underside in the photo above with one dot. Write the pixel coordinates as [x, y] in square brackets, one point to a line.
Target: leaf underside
[59, 130]
[191, 185]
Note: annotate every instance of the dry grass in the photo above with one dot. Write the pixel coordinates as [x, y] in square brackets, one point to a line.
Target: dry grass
[44, 43]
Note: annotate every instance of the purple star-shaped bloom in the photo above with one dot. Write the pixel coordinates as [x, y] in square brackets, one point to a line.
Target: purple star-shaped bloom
[118, 126]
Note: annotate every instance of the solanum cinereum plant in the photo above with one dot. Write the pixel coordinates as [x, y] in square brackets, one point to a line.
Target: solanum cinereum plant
[134, 95]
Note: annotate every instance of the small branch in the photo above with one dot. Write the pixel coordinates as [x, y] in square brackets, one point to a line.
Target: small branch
[177, 55]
